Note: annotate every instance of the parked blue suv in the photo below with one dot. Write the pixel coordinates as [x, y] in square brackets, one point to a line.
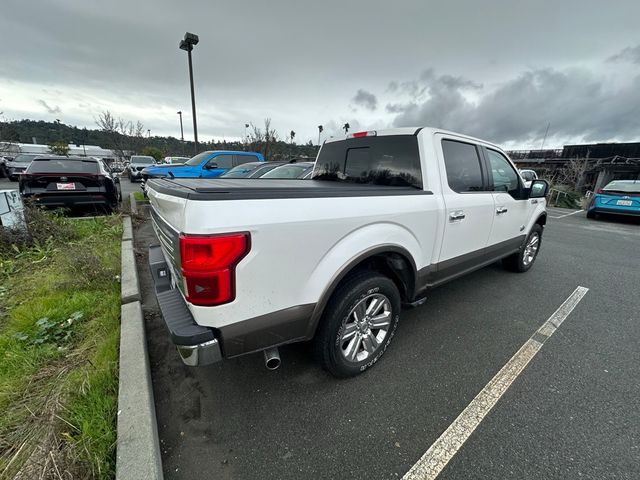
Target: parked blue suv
[209, 164]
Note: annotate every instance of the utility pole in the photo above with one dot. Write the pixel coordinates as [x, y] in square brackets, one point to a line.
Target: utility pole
[181, 130]
[320, 128]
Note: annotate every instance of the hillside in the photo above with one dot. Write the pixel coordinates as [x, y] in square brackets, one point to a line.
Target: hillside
[25, 131]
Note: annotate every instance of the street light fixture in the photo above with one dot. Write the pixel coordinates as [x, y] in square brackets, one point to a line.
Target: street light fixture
[320, 128]
[187, 44]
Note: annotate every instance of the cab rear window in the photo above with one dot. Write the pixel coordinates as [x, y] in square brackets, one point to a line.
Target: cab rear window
[384, 160]
[63, 165]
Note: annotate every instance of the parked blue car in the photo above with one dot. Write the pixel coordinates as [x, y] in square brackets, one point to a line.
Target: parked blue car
[209, 164]
[620, 197]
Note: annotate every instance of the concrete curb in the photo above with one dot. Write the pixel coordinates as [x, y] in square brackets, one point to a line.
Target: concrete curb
[133, 203]
[138, 448]
[129, 290]
[127, 229]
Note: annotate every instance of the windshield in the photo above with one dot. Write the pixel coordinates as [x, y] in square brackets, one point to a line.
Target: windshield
[142, 159]
[286, 171]
[629, 186]
[241, 171]
[63, 165]
[385, 160]
[24, 158]
[178, 160]
[197, 160]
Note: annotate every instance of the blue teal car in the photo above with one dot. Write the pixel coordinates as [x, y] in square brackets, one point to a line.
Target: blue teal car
[620, 197]
[208, 164]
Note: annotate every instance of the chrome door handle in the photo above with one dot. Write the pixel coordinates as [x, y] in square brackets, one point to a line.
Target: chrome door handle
[455, 216]
[501, 210]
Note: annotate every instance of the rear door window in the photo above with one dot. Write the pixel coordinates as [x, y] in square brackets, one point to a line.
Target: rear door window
[383, 160]
[462, 163]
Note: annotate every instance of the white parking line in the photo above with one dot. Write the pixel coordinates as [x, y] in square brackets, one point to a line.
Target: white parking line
[566, 215]
[448, 444]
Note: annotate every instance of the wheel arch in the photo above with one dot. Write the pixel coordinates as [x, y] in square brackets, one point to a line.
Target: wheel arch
[392, 261]
[542, 219]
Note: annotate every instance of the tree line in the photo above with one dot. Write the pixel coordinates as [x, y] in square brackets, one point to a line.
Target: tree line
[127, 137]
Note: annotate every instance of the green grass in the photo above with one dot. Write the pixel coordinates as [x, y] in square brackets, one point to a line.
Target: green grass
[139, 196]
[58, 377]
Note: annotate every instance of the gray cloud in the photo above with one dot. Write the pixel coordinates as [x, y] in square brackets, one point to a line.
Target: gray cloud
[52, 110]
[629, 54]
[578, 103]
[298, 72]
[366, 100]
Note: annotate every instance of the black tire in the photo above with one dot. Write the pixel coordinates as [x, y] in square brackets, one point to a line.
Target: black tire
[591, 214]
[13, 179]
[356, 290]
[519, 262]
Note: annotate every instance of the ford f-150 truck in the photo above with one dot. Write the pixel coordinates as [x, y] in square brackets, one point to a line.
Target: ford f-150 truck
[248, 265]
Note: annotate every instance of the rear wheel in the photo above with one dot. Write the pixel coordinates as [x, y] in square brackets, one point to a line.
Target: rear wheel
[358, 324]
[524, 258]
[591, 214]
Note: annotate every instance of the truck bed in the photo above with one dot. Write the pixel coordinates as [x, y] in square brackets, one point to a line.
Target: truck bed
[253, 189]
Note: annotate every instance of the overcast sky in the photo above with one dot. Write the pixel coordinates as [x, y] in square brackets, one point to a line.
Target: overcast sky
[500, 70]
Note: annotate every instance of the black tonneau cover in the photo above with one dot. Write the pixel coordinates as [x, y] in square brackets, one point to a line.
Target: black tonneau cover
[253, 189]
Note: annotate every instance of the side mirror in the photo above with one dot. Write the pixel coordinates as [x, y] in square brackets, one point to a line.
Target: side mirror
[211, 165]
[538, 189]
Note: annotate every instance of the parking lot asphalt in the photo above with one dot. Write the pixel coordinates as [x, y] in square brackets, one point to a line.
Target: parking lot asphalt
[572, 413]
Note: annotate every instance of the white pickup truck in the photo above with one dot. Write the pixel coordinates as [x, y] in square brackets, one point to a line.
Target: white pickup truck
[248, 265]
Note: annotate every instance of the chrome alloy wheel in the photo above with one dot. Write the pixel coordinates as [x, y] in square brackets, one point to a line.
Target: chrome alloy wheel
[531, 249]
[365, 328]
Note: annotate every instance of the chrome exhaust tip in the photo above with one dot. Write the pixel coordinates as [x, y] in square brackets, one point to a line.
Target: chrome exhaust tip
[272, 358]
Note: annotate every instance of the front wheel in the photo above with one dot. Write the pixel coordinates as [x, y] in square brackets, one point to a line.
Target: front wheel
[358, 324]
[524, 258]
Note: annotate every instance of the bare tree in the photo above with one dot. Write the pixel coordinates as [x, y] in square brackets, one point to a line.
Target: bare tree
[124, 135]
[270, 137]
[572, 172]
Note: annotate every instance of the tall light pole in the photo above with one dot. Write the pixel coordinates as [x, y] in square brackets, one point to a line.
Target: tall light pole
[181, 130]
[187, 44]
[320, 128]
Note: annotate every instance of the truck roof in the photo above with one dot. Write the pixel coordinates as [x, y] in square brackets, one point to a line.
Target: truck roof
[412, 131]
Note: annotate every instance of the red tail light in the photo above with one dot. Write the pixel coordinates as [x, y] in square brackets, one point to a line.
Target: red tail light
[209, 264]
[371, 133]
